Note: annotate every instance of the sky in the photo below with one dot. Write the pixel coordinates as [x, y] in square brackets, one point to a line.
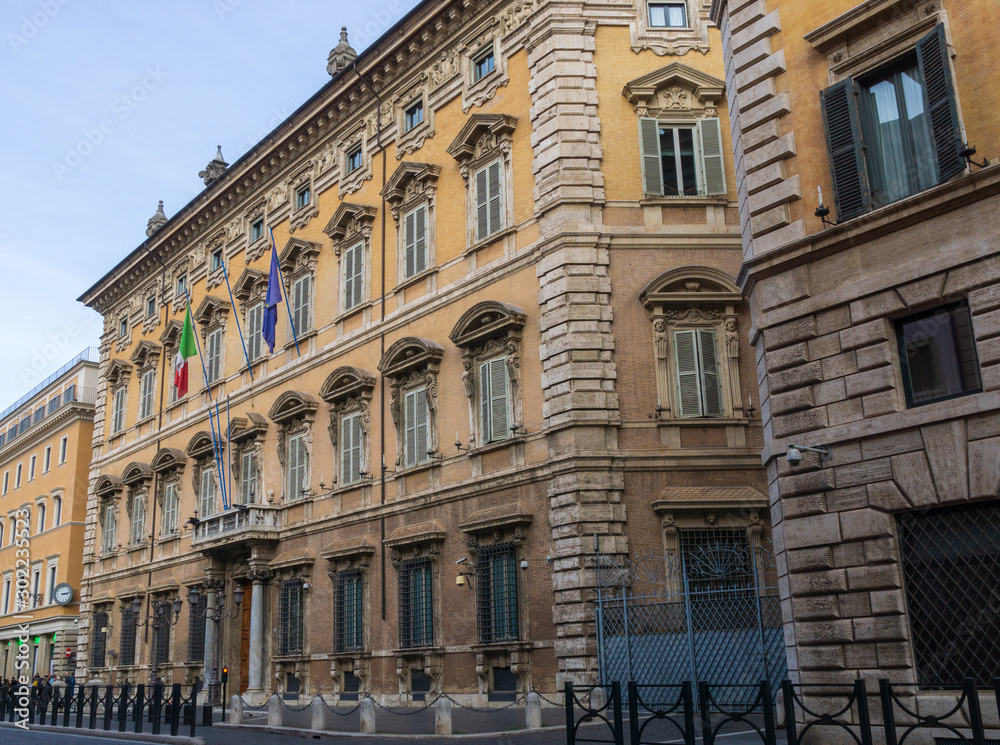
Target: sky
[106, 107]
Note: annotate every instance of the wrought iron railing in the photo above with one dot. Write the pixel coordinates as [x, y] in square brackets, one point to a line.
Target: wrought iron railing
[254, 517]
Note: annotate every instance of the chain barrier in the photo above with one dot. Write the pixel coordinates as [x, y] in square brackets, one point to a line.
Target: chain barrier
[547, 700]
[296, 708]
[460, 705]
[422, 709]
[345, 713]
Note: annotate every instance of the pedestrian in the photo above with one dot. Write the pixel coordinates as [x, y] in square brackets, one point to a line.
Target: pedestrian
[70, 685]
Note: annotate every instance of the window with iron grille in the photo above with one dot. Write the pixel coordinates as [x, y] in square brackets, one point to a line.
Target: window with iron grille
[98, 639]
[951, 575]
[290, 617]
[416, 608]
[717, 560]
[161, 635]
[496, 590]
[196, 629]
[126, 651]
[348, 615]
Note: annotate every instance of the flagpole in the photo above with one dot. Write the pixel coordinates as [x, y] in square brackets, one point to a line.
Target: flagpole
[229, 455]
[236, 316]
[288, 307]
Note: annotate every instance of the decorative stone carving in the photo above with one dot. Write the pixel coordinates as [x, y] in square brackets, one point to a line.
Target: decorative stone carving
[341, 55]
[446, 67]
[672, 41]
[157, 221]
[410, 363]
[411, 184]
[675, 91]
[348, 390]
[215, 170]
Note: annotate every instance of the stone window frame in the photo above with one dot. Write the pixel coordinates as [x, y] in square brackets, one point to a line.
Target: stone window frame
[412, 185]
[210, 316]
[167, 464]
[295, 414]
[409, 141]
[420, 541]
[284, 568]
[179, 300]
[484, 139]
[346, 556]
[202, 451]
[250, 291]
[108, 490]
[117, 377]
[246, 435]
[485, 331]
[506, 523]
[137, 478]
[150, 322]
[664, 41]
[361, 137]
[41, 513]
[254, 249]
[122, 315]
[305, 177]
[478, 92]
[350, 225]
[348, 390]
[408, 364]
[299, 258]
[146, 358]
[170, 339]
[216, 244]
[695, 297]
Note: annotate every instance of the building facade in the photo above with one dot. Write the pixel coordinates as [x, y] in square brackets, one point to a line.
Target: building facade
[875, 334]
[508, 239]
[45, 446]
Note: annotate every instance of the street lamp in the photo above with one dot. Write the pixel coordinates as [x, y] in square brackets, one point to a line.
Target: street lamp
[163, 614]
[215, 615]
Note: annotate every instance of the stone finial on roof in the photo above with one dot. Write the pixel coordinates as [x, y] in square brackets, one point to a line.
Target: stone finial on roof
[341, 55]
[157, 221]
[215, 169]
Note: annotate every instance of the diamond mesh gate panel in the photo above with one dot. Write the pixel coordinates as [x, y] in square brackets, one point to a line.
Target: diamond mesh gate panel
[951, 573]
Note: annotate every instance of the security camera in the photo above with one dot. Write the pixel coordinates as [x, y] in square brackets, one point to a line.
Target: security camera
[461, 561]
[793, 456]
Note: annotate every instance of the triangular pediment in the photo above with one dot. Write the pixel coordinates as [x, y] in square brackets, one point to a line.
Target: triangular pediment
[395, 188]
[340, 224]
[680, 87]
[463, 147]
[245, 285]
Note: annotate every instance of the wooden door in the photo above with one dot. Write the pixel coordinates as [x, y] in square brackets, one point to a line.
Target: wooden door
[245, 639]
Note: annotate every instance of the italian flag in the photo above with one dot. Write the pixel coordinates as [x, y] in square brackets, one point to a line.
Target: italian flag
[186, 349]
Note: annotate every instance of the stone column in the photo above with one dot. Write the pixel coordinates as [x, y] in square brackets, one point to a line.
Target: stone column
[255, 674]
[212, 588]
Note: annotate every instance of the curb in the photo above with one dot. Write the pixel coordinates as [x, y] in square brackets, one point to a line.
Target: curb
[312, 733]
[101, 733]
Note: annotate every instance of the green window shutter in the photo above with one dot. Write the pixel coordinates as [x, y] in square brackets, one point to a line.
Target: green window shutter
[358, 275]
[422, 426]
[499, 421]
[410, 429]
[482, 206]
[713, 165]
[348, 278]
[346, 448]
[484, 403]
[496, 198]
[409, 244]
[420, 240]
[709, 359]
[652, 165]
[843, 141]
[688, 377]
[939, 99]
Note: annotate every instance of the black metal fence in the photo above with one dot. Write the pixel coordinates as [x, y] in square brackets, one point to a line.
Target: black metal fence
[165, 709]
[672, 713]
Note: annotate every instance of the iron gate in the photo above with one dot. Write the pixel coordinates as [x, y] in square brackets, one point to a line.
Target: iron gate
[709, 611]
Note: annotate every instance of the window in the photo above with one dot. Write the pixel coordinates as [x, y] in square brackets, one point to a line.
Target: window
[118, 411]
[196, 629]
[496, 590]
[668, 15]
[41, 518]
[290, 617]
[39, 415]
[257, 229]
[494, 400]
[489, 200]
[213, 360]
[207, 503]
[31, 468]
[47, 459]
[6, 595]
[110, 536]
[255, 328]
[98, 638]
[57, 503]
[216, 259]
[696, 358]
[146, 394]
[126, 643]
[413, 115]
[483, 64]
[416, 613]
[350, 449]
[717, 560]
[138, 527]
[893, 132]
[937, 352]
[170, 508]
[180, 287]
[950, 575]
[301, 294]
[297, 466]
[161, 633]
[415, 241]
[36, 587]
[17, 477]
[6, 481]
[63, 447]
[123, 327]
[50, 584]
[682, 160]
[248, 477]
[416, 428]
[348, 614]
[53, 405]
[150, 307]
[355, 159]
[353, 276]
[302, 197]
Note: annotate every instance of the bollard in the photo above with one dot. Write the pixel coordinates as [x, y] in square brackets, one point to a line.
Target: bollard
[236, 710]
[318, 720]
[442, 716]
[274, 711]
[533, 711]
[367, 717]
[598, 698]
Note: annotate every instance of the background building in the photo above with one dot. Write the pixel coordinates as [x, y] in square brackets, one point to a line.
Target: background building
[876, 337]
[45, 442]
[509, 238]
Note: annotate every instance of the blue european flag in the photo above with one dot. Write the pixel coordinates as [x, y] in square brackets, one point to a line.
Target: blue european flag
[273, 300]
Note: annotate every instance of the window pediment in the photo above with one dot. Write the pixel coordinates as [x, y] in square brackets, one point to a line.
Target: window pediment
[167, 458]
[292, 405]
[171, 333]
[200, 445]
[350, 221]
[251, 285]
[135, 473]
[346, 382]
[486, 320]
[298, 255]
[692, 285]
[242, 429]
[211, 311]
[118, 371]
[108, 487]
[482, 135]
[409, 354]
[145, 354]
[675, 90]
[411, 183]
